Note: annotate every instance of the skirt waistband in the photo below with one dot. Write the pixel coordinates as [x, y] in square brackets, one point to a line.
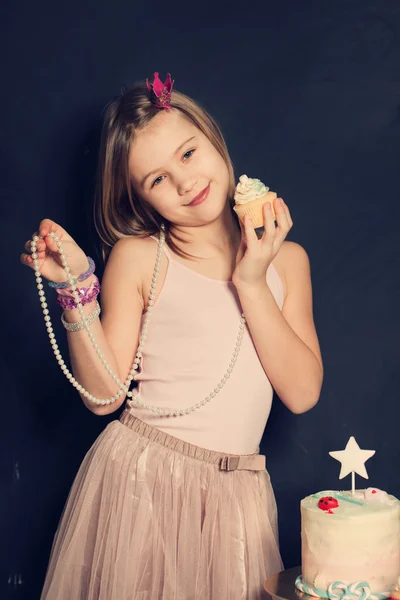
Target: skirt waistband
[226, 462]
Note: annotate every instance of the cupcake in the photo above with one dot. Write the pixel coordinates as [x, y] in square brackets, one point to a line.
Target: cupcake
[250, 196]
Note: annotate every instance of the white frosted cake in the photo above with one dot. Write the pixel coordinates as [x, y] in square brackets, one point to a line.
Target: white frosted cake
[350, 544]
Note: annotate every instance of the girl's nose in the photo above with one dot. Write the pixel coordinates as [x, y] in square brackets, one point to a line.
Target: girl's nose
[186, 185]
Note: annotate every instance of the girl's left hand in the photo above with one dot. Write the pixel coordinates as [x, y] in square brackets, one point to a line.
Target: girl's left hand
[255, 255]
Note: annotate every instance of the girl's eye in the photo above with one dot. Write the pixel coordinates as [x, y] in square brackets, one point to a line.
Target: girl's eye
[157, 181]
[189, 152]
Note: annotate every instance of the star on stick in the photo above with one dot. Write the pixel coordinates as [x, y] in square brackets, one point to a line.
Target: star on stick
[353, 460]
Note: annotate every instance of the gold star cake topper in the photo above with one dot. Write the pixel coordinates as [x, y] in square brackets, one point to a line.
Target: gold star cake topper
[353, 460]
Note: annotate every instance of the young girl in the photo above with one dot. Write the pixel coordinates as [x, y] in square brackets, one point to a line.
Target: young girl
[173, 500]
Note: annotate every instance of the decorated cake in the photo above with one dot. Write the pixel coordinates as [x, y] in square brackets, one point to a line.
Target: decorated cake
[350, 539]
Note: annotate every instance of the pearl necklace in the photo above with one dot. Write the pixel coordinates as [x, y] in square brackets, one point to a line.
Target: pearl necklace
[124, 387]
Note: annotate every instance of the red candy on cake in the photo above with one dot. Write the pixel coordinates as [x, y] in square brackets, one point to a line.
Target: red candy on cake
[327, 503]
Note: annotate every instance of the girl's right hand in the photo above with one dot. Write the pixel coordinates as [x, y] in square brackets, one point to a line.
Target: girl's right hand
[49, 259]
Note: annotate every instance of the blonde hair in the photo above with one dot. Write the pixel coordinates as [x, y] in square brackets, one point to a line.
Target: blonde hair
[118, 211]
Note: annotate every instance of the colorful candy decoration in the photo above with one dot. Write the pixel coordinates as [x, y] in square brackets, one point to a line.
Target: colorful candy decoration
[326, 503]
[360, 590]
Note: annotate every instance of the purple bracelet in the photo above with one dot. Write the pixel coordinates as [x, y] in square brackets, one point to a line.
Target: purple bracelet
[82, 277]
[86, 295]
[82, 291]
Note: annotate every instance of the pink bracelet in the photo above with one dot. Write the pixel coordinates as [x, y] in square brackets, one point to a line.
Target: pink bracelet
[67, 302]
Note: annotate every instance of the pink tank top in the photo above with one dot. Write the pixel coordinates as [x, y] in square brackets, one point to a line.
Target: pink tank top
[191, 337]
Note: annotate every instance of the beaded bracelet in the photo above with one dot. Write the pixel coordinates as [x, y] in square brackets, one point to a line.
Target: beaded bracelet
[82, 291]
[82, 277]
[69, 303]
[79, 325]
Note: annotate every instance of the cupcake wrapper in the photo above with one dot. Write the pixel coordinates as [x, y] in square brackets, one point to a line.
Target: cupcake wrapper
[254, 209]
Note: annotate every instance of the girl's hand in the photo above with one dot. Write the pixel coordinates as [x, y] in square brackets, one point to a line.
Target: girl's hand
[49, 259]
[255, 255]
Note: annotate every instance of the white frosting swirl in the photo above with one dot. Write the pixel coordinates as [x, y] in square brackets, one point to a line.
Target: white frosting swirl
[249, 189]
[377, 495]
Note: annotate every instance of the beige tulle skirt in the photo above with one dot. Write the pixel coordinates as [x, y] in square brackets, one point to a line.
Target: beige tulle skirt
[151, 517]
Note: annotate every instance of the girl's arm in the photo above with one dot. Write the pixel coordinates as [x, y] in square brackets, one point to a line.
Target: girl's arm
[286, 342]
[117, 334]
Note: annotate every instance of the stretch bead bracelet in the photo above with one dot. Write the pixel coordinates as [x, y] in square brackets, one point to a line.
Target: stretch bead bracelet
[82, 277]
[86, 295]
[82, 291]
[123, 387]
[79, 325]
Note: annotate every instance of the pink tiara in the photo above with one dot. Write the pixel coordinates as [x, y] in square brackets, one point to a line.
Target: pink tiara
[161, 91]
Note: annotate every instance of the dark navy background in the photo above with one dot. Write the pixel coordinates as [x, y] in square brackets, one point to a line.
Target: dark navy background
[307, 94]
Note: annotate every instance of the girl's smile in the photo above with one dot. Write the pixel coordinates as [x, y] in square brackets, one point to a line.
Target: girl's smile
[201, 197]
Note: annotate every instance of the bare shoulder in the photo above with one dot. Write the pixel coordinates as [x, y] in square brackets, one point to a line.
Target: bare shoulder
[291, 262]
[131, 247]
[133, 258]
[129, 258]
[292, 255]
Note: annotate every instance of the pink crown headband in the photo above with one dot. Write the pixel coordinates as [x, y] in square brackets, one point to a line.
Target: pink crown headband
[161, 91]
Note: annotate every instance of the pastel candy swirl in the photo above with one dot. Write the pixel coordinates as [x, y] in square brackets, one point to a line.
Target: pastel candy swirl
[359, 590]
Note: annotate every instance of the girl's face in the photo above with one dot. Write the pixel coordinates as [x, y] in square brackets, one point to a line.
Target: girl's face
[171, 162]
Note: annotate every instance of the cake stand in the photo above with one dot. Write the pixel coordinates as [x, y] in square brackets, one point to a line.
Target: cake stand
[281, 586]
